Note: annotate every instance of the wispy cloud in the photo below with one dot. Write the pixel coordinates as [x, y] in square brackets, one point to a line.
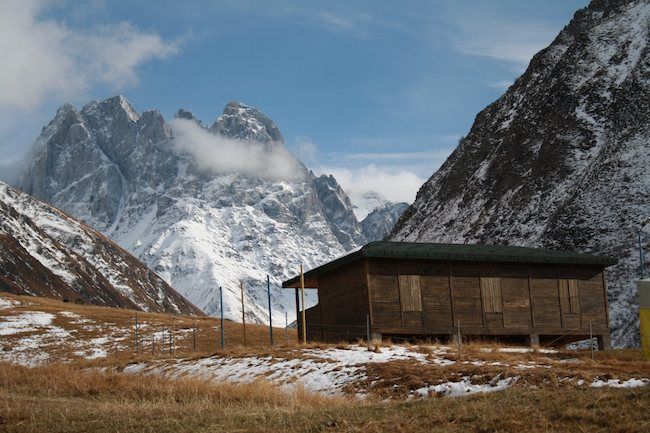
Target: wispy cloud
[512, 42]
[353, 24]
[44, 58]
[221, 155]
[396, 175]
[398, 185]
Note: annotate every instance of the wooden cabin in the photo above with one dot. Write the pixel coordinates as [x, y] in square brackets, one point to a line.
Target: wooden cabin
[421, 290]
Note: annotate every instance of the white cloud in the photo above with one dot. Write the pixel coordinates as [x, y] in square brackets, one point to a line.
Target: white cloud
[511, 42]
[396, 185]
[222, 155]
[43, 58]
[396, 175]
[349, 23]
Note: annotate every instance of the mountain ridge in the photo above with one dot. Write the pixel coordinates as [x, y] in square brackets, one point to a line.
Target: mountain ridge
[197, 226]
[556, 161]
[48, 253]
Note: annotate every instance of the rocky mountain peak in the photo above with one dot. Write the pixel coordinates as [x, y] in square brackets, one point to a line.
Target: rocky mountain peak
[338, 211]
[243, 122]
[188, 115]
[117, 108]
[198, 230]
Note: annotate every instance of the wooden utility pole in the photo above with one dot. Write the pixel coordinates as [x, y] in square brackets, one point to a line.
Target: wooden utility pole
[302, 300]
[243, 312]
[591, 342]
[459, 339]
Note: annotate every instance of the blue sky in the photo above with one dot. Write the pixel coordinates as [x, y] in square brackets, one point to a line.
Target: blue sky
[376, 92]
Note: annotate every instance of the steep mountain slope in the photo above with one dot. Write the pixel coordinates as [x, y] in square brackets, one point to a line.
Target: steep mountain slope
[47, 253]
[379, 223]
[203, 208]
[561, 159]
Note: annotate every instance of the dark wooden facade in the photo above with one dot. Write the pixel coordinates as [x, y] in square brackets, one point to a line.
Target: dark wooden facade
[419, 298]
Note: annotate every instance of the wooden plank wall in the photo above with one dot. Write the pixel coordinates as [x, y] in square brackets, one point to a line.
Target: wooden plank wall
[515, 294]
[485, 297]
[343, 301]
[545, 296]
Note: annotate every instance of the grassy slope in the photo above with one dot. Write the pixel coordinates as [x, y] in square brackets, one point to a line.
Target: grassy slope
[118, 322]
[69, 398]
[60, 398]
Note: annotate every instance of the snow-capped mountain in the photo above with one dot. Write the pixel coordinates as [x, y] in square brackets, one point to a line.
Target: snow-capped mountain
[561, 159]
[45, 252]
[379, 223]
[203, 207]
[368, 202]
[339, 212]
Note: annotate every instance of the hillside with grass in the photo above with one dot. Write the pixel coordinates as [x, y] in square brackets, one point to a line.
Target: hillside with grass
[67, 367]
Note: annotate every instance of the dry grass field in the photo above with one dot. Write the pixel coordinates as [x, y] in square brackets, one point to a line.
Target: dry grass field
[106, 387]
[76, 331]
[60, 398]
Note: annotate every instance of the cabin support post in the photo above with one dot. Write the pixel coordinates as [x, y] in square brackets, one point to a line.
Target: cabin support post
[533, 340]
[298, 312]
[604, 342]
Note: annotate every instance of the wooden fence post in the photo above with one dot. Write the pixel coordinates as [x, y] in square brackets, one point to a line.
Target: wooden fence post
[460, 341]
[302, 300]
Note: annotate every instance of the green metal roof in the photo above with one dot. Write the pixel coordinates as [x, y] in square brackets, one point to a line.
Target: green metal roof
[459, 252]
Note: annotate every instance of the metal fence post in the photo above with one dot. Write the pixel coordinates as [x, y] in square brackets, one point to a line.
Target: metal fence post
[268, 291]
[135, 339]
[194, 336]
[243, 310]
[223, 335]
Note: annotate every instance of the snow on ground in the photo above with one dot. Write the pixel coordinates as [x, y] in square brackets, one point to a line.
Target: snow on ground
[617, 383]
[339, 370]
[463, 387]
[35, 337]
[29, 321]
[327, 371]
[30, 338]
[7, 303]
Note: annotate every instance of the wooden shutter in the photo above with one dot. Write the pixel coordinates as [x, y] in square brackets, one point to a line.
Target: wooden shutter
[409, 290]
[569, 295]
[491, 295]
[573, 296]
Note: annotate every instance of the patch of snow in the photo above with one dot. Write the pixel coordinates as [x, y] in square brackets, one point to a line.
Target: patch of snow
[617, 383]
[7, 303]
[29, 321]
[463, 387]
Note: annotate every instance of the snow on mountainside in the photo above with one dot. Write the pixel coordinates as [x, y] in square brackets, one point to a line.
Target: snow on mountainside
[47, 253]
[195, 223]
[368, 202]
[561, 159]
[379, 223]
